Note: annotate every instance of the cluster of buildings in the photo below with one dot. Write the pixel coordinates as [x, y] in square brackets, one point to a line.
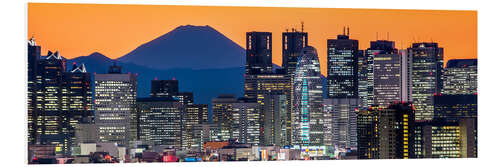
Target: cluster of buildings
[380, 103]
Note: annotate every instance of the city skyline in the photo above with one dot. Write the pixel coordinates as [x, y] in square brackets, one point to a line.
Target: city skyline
[115, 37]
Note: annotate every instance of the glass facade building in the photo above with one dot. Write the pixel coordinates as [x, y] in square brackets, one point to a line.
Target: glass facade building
[426, 75]
[460, 77]
[115, 100]
[307, 115]
[340, 123]
[259, 53]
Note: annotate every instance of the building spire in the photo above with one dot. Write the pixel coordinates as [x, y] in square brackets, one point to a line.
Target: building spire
[347, 30]
[302, 23]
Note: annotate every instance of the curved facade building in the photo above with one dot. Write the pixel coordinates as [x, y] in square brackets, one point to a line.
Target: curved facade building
[307, 115]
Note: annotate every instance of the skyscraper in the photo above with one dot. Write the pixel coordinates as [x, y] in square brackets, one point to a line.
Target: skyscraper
[115, 100]
[193, 115]
[367, 133]
[460, 76]
[386, 73]
[307, 115]
[160, 121]
[340, 121]
[222, 114]
[259, 53]
[293, 42]
[342, 67]
[186, 98]
[436, 139]
[276, 120]
[396, 130]
[427, 70]
[246, 123]
[164, 88]
[34, 55]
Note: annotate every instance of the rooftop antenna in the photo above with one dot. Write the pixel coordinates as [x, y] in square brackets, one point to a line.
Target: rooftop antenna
[344, 30]
[387, 35]
[347, 30]
[376, 36]
[302, 23]
[286, 29]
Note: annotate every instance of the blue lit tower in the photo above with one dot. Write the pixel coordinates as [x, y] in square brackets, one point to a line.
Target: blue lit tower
[307, 115]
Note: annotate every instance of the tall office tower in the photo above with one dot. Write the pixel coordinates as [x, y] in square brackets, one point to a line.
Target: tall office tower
[259, 53]
[307, 115]
[406, 85]
[293, 42]
[460, 76]
[258, 86]
[451, 108]
[276, 109]
[386, 73]
[164, 88]
[77, 99]
[436, 139]
[342, 67]
[205, 133]
[396, 130]
[115, 100]
[222, 114]
[427, 70]
[160, 121]
[340, 121]
[49, 119]
[186, 98]
[34, 55]
[439, 139]
[193, 115]
[367, 136]
[385, 50]
[363, 84]
[468, 133]
[246, 122]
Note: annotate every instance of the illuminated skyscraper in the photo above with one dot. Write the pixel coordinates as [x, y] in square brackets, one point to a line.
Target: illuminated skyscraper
[259, 53]
[452, 108]
[307, 115]
[160, 121]
[342, 67]
[246, 122]
[427, 70]
[340, 122]
[186, 98]
[386, 73]
[193, 115]
[396, 130]
[367, 133]
[34, 55]
[222, 114]
[293, 42]
[435, 139]
[275, 120]
[460, 76]
[115, 100]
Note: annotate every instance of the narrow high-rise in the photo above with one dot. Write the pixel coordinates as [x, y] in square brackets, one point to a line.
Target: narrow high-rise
[386, 73]
[426, 75]
[307, 115]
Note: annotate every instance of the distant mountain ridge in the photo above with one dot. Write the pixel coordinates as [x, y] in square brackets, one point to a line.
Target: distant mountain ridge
[192, 47]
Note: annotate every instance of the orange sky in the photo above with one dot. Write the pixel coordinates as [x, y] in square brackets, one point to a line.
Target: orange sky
[114, 30]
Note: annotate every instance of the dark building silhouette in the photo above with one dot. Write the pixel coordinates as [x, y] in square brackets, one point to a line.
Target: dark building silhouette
[293, 42]
[186, 98]
[259, 53]
[34, 55]
[426, 76]
[367, 134]
[452, 108]
[396, 130]
[342, 67]
[164, 88]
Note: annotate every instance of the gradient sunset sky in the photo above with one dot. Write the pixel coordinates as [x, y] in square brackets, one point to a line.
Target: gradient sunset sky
[115, 30]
